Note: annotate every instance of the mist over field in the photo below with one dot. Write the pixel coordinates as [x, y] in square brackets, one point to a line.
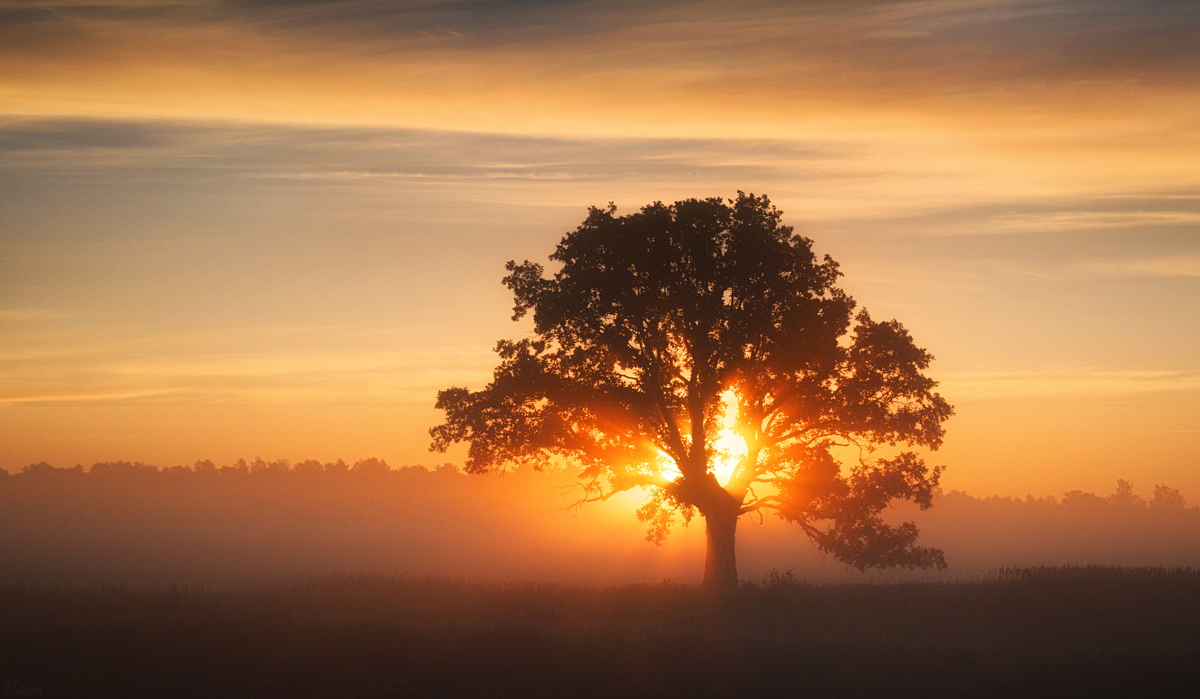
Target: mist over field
[260, 522]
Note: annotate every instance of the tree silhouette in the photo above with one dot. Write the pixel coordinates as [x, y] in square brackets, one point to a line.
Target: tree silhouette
[701, 351]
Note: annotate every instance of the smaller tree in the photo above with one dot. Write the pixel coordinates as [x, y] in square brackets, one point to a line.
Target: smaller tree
[702, 352]
[1167, 498]
[1125, 497]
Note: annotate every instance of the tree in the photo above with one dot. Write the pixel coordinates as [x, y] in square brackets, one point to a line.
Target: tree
[701, 351]
[1167, 498]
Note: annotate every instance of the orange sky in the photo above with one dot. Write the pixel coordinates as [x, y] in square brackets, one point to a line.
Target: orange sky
[278, 228]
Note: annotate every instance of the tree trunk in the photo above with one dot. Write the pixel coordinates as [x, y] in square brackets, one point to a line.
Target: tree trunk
[720, 561]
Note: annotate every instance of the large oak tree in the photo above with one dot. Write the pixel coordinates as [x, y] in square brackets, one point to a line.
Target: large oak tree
[704, 339]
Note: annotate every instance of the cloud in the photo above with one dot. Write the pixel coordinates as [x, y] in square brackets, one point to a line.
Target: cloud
[1064, 213]
[191, 149]
[662, 66]
[1184, 266]
[1073, 386]
[34, 315]
[261, 366]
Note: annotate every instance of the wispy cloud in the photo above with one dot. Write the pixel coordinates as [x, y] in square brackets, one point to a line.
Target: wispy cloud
[332, 153]
[1074, 385]
[652, 66]
[1185, 266]
[165, 372]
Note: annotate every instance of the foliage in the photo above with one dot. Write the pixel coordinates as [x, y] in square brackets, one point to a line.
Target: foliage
[661, 328]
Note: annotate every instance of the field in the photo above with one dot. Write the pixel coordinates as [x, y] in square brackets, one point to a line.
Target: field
[1022, 632]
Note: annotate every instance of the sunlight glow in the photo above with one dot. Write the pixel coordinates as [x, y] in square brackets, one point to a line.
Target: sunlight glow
[667, 468]
[729, 446]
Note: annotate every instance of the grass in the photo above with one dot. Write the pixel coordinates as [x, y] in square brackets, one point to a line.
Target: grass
[1022, 632]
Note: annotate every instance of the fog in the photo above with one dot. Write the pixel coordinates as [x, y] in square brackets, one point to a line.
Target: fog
[259, 522]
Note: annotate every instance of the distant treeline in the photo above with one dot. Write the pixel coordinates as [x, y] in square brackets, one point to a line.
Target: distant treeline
[1080, 528]
[255, 521]
[1166, 500]
[1165, 497]
[241, 467]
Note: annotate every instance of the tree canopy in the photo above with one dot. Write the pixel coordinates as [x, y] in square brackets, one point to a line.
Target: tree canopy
[701, 350]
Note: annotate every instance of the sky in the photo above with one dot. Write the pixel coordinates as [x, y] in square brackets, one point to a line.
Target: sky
[277, 229]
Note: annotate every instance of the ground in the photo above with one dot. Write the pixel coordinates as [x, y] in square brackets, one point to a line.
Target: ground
[1034, 632]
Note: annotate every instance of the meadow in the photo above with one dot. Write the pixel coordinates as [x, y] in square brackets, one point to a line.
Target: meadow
[328, 580]
[1047, 631]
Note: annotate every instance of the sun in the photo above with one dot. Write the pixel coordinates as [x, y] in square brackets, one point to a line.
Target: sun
[729, 447]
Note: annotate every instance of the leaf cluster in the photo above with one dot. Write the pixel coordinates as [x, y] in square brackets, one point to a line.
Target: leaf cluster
[663, 327]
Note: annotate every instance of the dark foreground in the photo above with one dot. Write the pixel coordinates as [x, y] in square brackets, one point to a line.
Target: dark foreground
[1040, 632]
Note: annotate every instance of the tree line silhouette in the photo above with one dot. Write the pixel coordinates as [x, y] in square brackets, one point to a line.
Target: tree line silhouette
[258, 520]
[130, 470]
[1164, 499]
